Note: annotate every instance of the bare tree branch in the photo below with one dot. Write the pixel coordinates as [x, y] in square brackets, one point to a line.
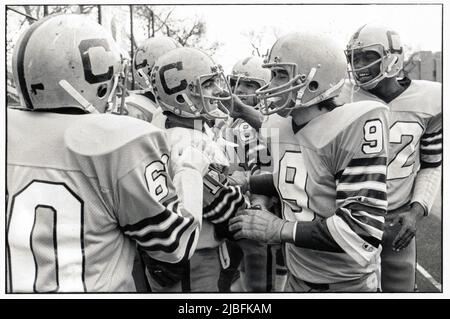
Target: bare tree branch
[164, 22]
[255, 49]
[132, 39]
[189, 34]
[29, 15]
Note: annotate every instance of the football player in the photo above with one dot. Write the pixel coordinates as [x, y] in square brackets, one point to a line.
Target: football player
[187, 85]
[85, 187]
[330, 171]
[141, 103]
[246, 77]
[375, 57]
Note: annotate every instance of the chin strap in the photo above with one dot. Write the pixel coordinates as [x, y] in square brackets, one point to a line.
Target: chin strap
[325, 95]
[302, 90]
[145, 77]
[191, 105]
[390, 65]
[88, 107]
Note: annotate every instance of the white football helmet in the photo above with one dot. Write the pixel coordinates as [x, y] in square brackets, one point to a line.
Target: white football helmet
[249, 69]
[147, 54]
[177, 79]
[66, 61]
[381, 40]
[316, 67]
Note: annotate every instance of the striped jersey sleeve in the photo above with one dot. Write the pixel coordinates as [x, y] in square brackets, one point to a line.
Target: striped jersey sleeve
[356, 228]
[151, 214]
[361, 189]
[357, 225]
[221, 200]
[431, 143]
[363, 181]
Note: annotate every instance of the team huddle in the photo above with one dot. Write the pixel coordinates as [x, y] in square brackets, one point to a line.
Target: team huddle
[308, 171]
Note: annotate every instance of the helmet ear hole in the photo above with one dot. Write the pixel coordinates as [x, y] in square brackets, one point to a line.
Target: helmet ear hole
[102, 90]
[180, 99]
[313, 86]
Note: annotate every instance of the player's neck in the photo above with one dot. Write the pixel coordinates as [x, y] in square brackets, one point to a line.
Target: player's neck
[173, 120]
[304, 115]
[388, 89]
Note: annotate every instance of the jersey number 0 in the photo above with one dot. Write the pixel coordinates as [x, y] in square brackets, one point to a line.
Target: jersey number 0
[45, 239]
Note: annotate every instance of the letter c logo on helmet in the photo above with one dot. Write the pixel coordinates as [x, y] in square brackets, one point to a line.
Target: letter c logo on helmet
[183, 83]
[66, 61]
[177, 79]
[84, 47]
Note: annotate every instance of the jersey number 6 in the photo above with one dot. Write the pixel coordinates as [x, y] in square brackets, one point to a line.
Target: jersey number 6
[155, 176]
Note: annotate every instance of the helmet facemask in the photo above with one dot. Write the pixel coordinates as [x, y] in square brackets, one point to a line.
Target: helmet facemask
[307, 69]
[234, 81]
[119, 89]
[295, 86]
[386, 61]
[140, 70]
[178, 81]
[196, 90]
[247, 76]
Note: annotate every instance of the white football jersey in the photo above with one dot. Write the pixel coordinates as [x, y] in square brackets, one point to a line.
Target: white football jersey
[415, 134]
[83, 190]
[337, 160]
[141, 107]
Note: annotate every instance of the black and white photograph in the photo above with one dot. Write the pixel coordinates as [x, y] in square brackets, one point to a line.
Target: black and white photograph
[223, 150]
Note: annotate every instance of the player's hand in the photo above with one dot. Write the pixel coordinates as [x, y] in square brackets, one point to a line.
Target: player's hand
[408, 220]
[259, 225]
[239, 178]
[196, 155]
[264, 201]
[235, 106]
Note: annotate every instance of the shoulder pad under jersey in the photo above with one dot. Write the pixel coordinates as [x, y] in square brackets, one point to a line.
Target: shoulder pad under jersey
[325, 128]
[421, 97]
[99, 134]
[141, 101]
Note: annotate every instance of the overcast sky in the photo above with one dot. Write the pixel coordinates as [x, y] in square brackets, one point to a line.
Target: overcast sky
[420, 26]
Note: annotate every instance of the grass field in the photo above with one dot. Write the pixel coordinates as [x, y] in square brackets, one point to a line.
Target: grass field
[429, 249]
